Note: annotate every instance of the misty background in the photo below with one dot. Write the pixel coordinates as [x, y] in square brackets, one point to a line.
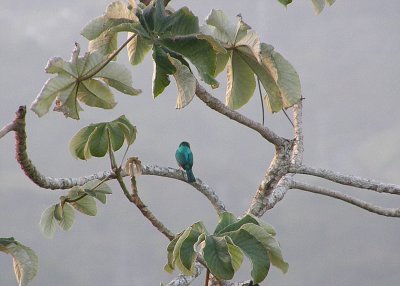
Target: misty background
[349, 65]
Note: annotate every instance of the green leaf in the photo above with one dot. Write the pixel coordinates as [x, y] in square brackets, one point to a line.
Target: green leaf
[285, 2]
[68, 217]
[97, 191]
[223, 29]
[170, 266]
[238, 224]
[318, 5]
[51, 89]
[225, 219]
[48, 222]
[118, 77]
[235, 253]
[138, 49]
[218, 257]
[93, 139]
[185, 82]
[58, 212]
[255, 250]
[85, 204]
[184, 255]
[270, 243]
[285, 76]
[330, 2]
[84, 79]
[241, 83]
[181, 22]
[102, 31]
[25, 260]
[198, 51]
[163, 68]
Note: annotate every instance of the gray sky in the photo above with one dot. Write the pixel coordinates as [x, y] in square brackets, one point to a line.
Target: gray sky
[348, 62]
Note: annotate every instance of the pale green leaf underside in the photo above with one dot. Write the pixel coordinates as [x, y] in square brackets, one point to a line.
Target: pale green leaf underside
[241, 83]
[25, 261]
[80, 80]
[185, 82]
[86, 205]
[68, 217]
[48, 222]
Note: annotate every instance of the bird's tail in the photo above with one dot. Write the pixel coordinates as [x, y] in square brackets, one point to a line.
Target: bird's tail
[190, 176]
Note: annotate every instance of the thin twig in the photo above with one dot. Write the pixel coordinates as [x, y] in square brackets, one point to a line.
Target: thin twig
[391, 212]
[109, 59]
[348, 180]
[134, 198]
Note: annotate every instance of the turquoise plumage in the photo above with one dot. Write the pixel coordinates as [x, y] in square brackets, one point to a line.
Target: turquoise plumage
[184, 157]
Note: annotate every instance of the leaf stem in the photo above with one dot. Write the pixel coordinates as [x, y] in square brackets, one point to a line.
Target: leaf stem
[109, 59]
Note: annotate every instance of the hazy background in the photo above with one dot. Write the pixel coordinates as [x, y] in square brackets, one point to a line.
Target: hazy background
[349, 65]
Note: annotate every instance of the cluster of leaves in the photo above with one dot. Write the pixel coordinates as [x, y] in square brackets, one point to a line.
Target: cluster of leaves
[79, 198]
[178, 44]
[223, 251]
[25, 260]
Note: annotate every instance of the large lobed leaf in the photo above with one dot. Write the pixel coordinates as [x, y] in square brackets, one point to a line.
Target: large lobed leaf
[247, 58]
[174, 36]
[102, 31]
[82, 79]
[93, 139]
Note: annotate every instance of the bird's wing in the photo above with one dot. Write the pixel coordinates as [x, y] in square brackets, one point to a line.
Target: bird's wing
[180, 158]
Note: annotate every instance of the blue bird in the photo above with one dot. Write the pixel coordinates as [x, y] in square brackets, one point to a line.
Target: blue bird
[184, 157]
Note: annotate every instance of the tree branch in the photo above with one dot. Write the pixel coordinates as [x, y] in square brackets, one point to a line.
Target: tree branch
[391, 212]
[347, 180]
[184, 280]
[298, 147]
[218, 106]
[172, 173]
[134, 198]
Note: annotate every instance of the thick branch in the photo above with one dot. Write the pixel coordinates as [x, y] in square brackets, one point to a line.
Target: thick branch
[347, 180]
[344, 197]
[218, 106]
[298, 148]
[265, 197]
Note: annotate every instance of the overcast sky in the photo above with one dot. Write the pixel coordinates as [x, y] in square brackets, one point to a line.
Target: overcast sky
[349, 65]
